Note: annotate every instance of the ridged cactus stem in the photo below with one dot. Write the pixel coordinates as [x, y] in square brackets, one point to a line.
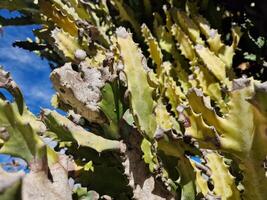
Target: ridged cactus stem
[254, 180]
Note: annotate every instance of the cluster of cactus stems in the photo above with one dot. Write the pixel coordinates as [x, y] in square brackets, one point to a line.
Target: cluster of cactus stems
[136, 121]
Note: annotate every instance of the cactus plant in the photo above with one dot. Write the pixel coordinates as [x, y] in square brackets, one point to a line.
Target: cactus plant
[153, 102]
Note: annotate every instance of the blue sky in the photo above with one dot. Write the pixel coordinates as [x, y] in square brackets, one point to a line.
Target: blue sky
[29, 71]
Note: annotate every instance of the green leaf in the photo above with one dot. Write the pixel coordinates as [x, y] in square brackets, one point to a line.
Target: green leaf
[148, 156]
[66, 130]
[20, 126]
[112, 107]
[153, 47]
[89, 166]
[142, 104]
[223, 181]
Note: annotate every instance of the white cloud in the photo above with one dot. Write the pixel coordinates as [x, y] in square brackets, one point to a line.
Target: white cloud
[21, 58]
[29, 71]
[15, 54]
[38, 93]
